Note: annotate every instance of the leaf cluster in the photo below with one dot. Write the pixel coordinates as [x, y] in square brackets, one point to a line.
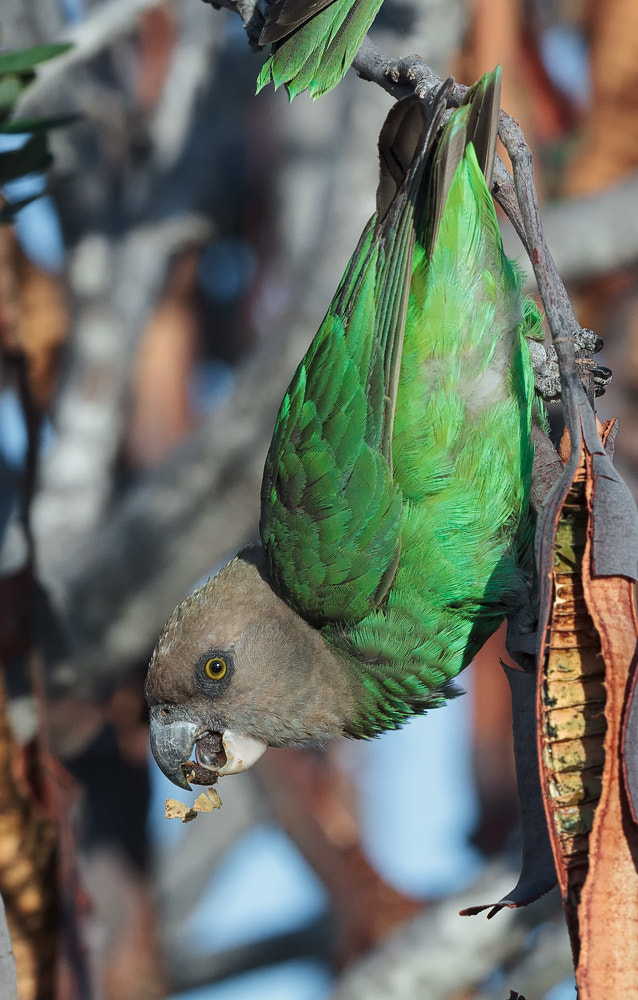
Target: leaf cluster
[17, 71]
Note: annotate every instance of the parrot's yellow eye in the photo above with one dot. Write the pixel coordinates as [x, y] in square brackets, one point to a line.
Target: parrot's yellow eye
[215, 668]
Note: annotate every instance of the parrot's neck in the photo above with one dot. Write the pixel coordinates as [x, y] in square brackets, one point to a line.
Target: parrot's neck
[319, 691]
[329, 706]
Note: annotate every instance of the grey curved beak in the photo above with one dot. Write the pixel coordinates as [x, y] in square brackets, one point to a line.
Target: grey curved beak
[172, 746]
[184, 752]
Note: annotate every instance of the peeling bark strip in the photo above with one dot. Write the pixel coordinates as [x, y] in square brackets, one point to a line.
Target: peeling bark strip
[28, 874]
[571, 706]
[588, 664]
[608, 912]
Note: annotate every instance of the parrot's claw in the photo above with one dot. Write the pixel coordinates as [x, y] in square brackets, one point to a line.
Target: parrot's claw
[546, 370]
[412, 71]
[588, 341]
[602, 378]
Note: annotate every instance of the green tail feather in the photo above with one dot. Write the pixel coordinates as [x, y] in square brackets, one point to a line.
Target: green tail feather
[316, 55]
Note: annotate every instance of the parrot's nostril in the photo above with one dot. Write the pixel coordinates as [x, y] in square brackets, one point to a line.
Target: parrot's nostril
[209, 752]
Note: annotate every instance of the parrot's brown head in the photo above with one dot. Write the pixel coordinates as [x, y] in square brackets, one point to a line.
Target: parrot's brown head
[236, 670]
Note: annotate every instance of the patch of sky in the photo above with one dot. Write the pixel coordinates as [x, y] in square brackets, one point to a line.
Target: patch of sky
[211, 383]
[39, 233]
[417, 802]
[566, 58]
[299, 980]
[563, 991]
[13, 431]
[226, 268]
[262, 886]
[74, 10]
[37, 226]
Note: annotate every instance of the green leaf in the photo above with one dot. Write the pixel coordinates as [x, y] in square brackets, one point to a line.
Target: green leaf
[23, 60]
[10, 89]
[33, 156]
[19, 125]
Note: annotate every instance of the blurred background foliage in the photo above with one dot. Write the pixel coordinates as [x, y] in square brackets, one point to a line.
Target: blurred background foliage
[153, 305]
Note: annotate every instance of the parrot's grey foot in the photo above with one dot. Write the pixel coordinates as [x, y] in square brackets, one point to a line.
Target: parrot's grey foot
[602, 376]
[414, 72]
[588, 341]
[546, 371]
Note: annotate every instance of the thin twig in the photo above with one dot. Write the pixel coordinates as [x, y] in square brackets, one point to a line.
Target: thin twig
[561, 318]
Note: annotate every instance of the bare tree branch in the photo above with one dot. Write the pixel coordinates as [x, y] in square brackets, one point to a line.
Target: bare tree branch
[313, 941]
[28, 23]
[201, 505]
[120, 281]
[104, 23]
[440, 957]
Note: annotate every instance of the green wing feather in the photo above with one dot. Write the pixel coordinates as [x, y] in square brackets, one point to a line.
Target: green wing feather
[331, 512]
[314, 43]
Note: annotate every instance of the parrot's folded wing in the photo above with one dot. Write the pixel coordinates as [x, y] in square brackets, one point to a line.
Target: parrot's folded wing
[331, 513]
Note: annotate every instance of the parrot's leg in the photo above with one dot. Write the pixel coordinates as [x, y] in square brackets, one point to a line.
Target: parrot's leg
[545, 365]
